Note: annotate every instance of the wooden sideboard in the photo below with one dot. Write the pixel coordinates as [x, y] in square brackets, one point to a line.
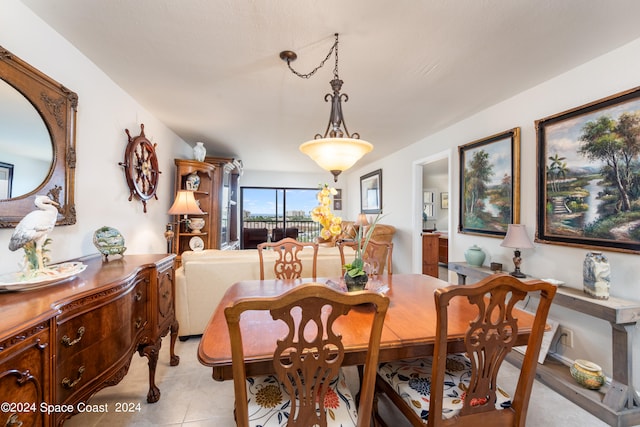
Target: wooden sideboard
[615, 404]
[443, 249]
[62, 343]
[430, 249]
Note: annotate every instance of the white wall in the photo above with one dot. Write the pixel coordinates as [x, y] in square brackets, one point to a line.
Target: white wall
[612, 73]
[104, 112]
[262, 178]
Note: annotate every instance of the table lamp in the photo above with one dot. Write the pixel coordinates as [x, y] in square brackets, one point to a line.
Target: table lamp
[517, 238]
[184, 204]
[362, 220]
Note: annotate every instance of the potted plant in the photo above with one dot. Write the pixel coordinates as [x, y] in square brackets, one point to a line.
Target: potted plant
[355, 276]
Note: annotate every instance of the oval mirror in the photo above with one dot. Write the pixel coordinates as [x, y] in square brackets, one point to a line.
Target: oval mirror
[37, 142]
[25, 145]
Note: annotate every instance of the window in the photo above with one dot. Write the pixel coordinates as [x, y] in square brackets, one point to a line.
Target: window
[270, 214]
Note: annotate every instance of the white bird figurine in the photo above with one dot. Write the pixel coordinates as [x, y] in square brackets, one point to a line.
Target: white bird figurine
[35, 227]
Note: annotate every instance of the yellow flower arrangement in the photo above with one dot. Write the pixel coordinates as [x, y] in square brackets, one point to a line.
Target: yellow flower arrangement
[331, 224]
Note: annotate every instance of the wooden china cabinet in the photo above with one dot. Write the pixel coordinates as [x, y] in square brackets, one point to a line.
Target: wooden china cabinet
[216, 194]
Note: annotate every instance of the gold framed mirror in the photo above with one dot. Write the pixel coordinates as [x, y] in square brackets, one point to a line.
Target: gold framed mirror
[42, 164]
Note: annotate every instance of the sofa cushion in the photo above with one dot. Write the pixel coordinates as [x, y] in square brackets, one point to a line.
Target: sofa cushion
[206, 275]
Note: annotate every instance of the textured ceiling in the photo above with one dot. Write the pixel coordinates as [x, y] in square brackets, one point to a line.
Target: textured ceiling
[210, 69]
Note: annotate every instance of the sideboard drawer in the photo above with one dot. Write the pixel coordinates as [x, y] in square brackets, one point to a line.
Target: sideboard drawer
[91, 343]
[24, 367]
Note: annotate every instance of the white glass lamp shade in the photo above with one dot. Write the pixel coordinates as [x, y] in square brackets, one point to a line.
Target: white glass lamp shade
[517, 237]
[336, 154]
[185, 204]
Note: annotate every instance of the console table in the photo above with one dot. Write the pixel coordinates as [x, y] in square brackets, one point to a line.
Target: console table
[616, 404]
[62, 343]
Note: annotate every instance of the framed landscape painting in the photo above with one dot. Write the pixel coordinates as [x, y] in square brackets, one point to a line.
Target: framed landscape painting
[490, 184]
[588, 171]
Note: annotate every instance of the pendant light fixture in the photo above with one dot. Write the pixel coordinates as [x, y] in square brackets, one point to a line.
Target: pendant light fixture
[336, 150]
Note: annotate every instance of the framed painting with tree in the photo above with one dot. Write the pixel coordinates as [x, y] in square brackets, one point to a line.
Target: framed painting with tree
[588, 170]
[490, 184]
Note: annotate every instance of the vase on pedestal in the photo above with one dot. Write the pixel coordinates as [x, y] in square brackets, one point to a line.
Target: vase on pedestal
[199, 152]
[596, 275]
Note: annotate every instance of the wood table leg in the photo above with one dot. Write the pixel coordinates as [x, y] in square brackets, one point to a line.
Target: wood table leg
[174, 359]
[622, 342]
[151, 352]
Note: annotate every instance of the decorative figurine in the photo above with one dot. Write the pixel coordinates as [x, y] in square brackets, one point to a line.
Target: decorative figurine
[32, 231]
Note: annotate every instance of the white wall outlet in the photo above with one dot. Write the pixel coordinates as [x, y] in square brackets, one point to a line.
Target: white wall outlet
[566, 336]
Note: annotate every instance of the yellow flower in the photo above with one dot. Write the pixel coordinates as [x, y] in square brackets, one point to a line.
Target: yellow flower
[322, 213]
[335, 229]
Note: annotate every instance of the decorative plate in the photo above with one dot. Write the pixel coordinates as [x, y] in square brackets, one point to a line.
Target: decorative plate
[54, 274]
[196, 243]
[109, 241]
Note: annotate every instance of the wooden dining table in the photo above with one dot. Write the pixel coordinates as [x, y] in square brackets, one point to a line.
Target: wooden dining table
[409, 327]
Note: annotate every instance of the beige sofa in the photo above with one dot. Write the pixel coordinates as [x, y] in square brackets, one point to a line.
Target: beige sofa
[205, 276]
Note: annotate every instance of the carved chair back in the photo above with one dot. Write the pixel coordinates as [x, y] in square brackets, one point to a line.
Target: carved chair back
[378, 255]
[311, 353]
[490, 336]
[288, 264]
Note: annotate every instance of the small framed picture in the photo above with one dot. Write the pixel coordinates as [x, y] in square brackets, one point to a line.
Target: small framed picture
[6, 180]
[371, 192]
[444, 200]
[337, 200]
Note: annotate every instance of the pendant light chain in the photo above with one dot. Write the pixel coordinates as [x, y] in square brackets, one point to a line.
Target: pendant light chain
[335, 70]
[312, 72]
[336, 150]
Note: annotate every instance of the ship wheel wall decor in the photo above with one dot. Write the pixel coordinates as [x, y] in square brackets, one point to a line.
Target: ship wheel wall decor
[141, 168]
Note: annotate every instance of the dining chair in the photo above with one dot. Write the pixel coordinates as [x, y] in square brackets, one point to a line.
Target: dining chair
[288, 264]
[308, 387]
[460, 389]
[377, 254]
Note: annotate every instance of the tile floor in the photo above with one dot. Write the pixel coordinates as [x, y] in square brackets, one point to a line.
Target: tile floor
[191, 398]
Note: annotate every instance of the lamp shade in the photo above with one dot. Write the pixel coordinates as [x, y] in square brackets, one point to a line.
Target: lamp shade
[185, 204]
[362, 220]
[517, 237]
[336, 154]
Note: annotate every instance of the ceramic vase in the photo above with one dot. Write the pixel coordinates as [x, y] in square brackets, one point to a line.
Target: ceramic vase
[199, 152]
[357, 283]
[474, 256]
[587, 374]
[196, 224]
[193, 182]
[596, 275]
